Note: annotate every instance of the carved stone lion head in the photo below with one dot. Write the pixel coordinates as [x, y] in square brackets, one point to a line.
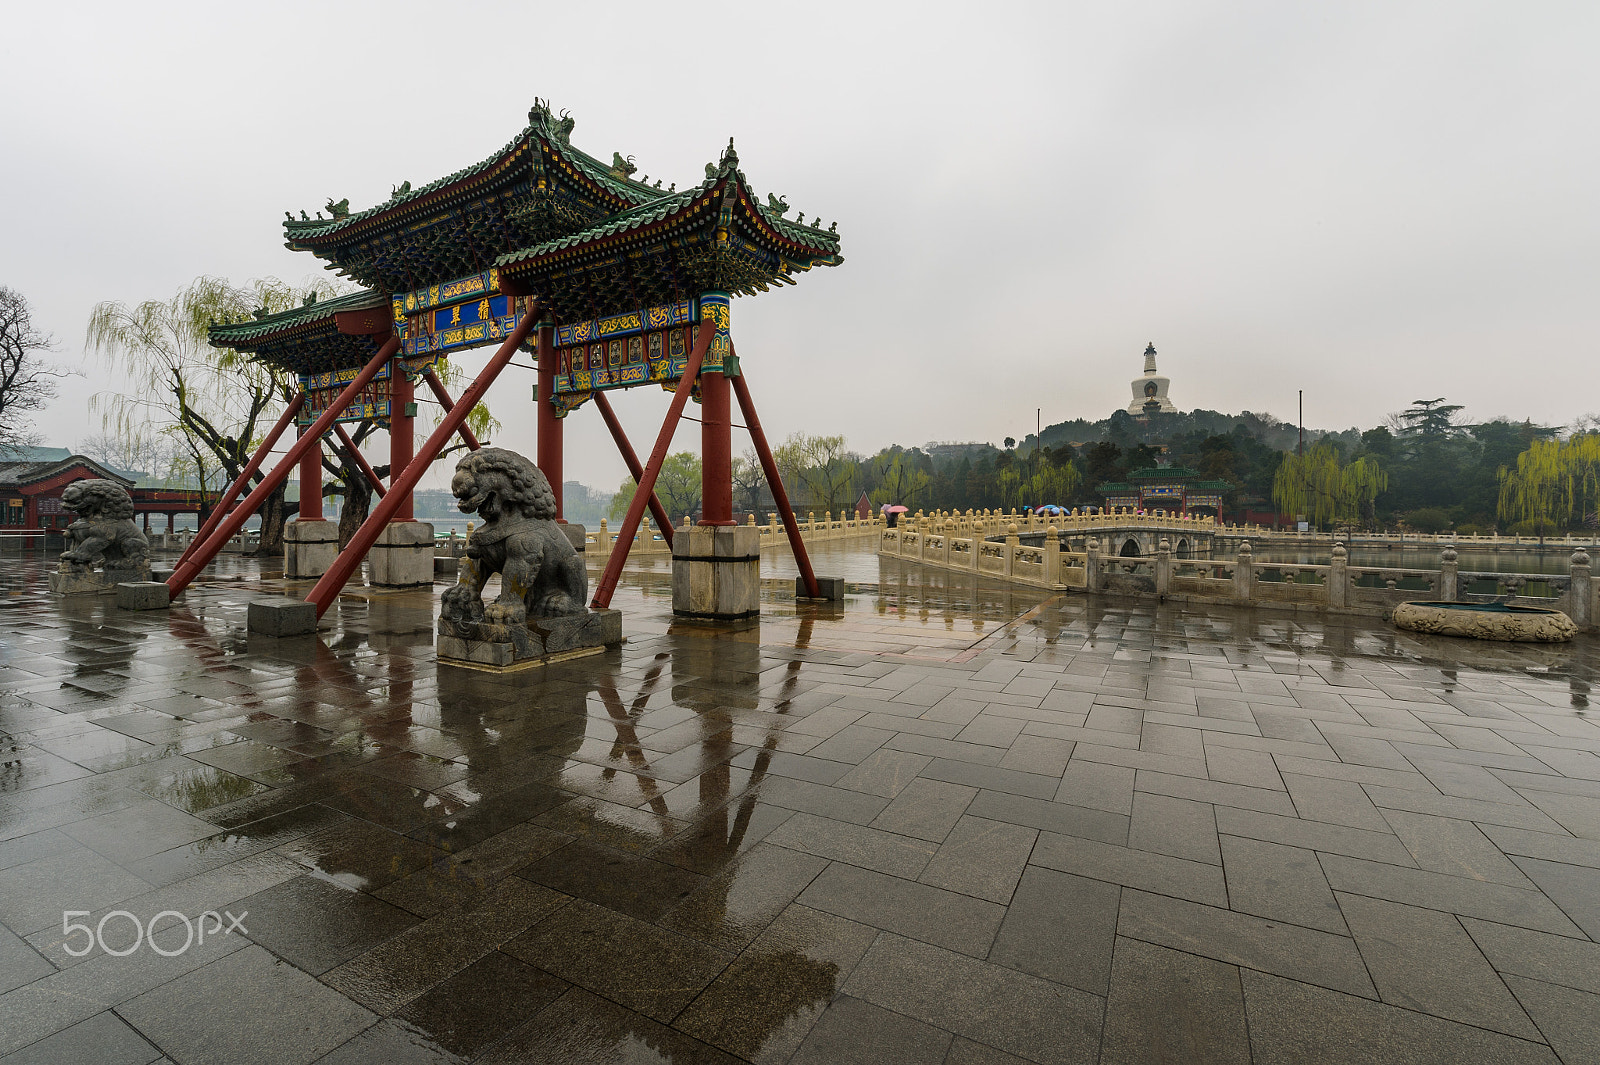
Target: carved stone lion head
[495, 483]
[98, 500]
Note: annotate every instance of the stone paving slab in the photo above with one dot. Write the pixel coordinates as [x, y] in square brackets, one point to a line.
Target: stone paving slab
[951, 823]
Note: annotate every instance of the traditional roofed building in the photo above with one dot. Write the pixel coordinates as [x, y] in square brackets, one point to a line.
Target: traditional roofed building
[614, 281]
[612, 257]
[32, 481]
[1165, 488]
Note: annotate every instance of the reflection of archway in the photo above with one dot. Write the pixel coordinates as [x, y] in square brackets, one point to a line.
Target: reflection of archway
[1130, 549]
[1182, 550]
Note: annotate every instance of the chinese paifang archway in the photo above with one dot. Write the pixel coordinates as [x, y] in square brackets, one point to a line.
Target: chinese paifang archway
[613, 282]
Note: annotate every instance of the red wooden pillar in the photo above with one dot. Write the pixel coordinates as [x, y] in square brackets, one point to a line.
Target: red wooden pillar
[169, 523]
[716, 426]
[716, 451]
[310, 482]
[550, 445]
[402, 443]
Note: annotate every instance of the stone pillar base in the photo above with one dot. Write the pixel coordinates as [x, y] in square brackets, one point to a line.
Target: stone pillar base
[143, 595]
[403, 556]
[829, 589]
[309, 548]
[281, 617]
[76, 579]
[716, 573]
[536, 642]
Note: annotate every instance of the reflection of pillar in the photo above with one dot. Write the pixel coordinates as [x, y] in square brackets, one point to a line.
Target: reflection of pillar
[402, 444]
[549, 425]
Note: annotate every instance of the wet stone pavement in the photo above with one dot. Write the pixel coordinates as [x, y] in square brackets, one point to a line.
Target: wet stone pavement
[947, 823]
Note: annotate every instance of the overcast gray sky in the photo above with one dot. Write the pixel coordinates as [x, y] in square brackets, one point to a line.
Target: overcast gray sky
[1374, 202]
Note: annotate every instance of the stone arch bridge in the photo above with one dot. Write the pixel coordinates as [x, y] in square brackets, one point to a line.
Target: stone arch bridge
[1132, 540]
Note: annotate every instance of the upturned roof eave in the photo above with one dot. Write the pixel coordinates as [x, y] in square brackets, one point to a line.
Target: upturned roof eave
[646, 220]
[310, 235]
[302, 319]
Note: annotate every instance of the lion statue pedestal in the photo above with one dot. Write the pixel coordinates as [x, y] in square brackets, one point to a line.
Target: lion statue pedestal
[540, 614]
[105, 536]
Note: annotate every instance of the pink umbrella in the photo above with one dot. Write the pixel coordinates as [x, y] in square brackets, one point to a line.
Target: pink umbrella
[893, 508]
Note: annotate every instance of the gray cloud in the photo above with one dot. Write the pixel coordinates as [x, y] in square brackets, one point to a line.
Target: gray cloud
[1369, 201]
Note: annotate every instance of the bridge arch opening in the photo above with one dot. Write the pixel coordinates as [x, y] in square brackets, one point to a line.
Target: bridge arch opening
[1182, 550]
[1130, 549]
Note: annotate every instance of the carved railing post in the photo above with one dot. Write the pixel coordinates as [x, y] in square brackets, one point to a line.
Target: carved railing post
[1337, 589]
[1448, 581]
[1052, 556]
[1091, 565]
[1243, 574]
[1163, 566]
[1012, 543]
[1582, 591]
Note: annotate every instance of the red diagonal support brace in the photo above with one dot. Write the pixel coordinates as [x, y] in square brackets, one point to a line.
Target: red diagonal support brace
[361, 460]
[775, 482]
[468, 437]
[312, 437]
[647, 484]
[226, 500]
[401, 484]
[634, 469]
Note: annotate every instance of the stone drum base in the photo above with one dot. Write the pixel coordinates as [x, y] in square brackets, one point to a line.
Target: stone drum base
[402, 556]
[486, 645]
[716, 573]
[1486, 621]
[309, 548]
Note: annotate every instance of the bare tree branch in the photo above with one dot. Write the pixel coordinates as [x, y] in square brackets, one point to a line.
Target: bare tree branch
[27, 382]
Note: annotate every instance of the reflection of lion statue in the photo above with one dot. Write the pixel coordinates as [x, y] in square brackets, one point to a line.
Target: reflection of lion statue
[540, 574]
[105, 531]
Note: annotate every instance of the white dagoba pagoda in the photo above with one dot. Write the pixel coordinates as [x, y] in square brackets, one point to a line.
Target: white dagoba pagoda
[1150, 391]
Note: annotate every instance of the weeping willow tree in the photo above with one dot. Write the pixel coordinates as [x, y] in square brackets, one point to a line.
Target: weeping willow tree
[1318, 485]
[1554, 482]
[897, 480]
[216, 404]
[1052, 482]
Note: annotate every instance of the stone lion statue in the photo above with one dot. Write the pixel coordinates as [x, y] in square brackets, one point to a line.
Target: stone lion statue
[540, 574]
[105, 530]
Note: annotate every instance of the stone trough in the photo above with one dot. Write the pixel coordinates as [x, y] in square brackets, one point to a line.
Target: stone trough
[1486, 621]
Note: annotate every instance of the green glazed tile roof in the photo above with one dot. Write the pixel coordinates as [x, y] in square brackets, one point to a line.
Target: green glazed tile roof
[234, 334]
[540, 128]
[643, 215]
[592, 168]
[1164, 473]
